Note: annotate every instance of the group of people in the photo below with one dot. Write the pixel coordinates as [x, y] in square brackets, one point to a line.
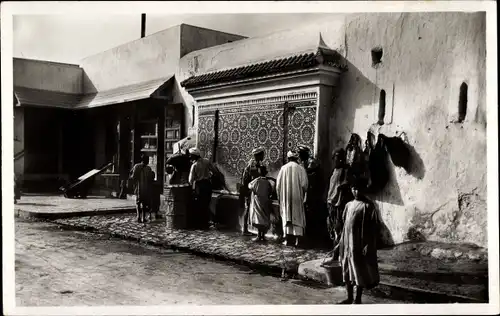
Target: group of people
[183, 167]
[352, 222]
[291, 187]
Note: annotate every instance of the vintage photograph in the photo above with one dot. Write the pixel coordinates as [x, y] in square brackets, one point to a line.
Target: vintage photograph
[322, 158]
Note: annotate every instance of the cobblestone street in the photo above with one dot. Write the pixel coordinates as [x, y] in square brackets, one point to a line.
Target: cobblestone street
[228, 245]
[81, 268]
[428, 267]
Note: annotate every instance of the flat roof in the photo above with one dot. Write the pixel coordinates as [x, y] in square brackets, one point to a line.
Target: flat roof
[47, 62]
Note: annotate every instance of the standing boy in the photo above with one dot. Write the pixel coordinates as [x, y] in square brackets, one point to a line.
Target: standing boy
[260, 204]
[249, 174]
[357, 246]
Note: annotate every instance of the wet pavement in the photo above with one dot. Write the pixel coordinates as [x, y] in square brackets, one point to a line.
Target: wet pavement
[61, 267]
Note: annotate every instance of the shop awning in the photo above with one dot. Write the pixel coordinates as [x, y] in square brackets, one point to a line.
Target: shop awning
[123, 94]
[143, 90]
[53, 99]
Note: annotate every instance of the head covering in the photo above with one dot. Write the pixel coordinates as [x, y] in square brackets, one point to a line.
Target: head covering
[355, 140]
[292, 154]
[169, 169]
[144, 158]
[262, 171]
[194, 152]
[303, 148]
[359, 183]
[257, 151]
[338, 152]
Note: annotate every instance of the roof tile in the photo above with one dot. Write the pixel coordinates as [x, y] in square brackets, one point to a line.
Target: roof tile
[306, 60]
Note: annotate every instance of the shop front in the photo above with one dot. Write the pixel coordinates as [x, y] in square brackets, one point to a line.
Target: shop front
[123, 132]
[60, 138]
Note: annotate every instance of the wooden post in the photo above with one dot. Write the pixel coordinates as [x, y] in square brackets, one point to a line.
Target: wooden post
[285, 132]
[160, 167]
[123, 147]
[136, 138]
[216, 136]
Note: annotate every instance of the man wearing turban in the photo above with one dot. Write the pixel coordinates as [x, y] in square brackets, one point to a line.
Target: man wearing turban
[291, 186]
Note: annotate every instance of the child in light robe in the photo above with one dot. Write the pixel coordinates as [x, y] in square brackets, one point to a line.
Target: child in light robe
[357, 246]
[261, 204]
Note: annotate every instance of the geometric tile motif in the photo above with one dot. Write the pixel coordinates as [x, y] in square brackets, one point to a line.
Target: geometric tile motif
[242, 130]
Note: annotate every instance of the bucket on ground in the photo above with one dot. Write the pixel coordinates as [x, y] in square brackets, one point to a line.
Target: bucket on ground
[333, 274]
[177, 201]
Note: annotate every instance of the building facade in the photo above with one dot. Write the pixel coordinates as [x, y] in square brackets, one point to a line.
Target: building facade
[109, 108]
[419, 77]
[424, 73]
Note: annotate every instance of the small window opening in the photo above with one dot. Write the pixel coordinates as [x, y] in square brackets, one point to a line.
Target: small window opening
[192, 115]
[381, 108]
[229, 41]
[462, 102]
[377, 54]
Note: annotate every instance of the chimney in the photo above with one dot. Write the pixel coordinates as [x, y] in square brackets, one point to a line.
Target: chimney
[143, 25]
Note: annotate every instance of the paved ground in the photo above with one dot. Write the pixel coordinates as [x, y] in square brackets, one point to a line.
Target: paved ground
[429, 266]
[58, 204]
[65, 268]
[403, 267]
[226, 244]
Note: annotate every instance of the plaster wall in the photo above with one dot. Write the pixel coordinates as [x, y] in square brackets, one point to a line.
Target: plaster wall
[194, 38]
[152, 57]
[325, 147]
[50, 76]
[426, 57]
[258, 49]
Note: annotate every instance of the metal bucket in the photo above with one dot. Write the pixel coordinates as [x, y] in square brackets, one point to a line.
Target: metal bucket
[333, 274]
[177, 200]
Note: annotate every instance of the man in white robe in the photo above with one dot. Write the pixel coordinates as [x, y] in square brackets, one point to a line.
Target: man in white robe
[291, 186]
